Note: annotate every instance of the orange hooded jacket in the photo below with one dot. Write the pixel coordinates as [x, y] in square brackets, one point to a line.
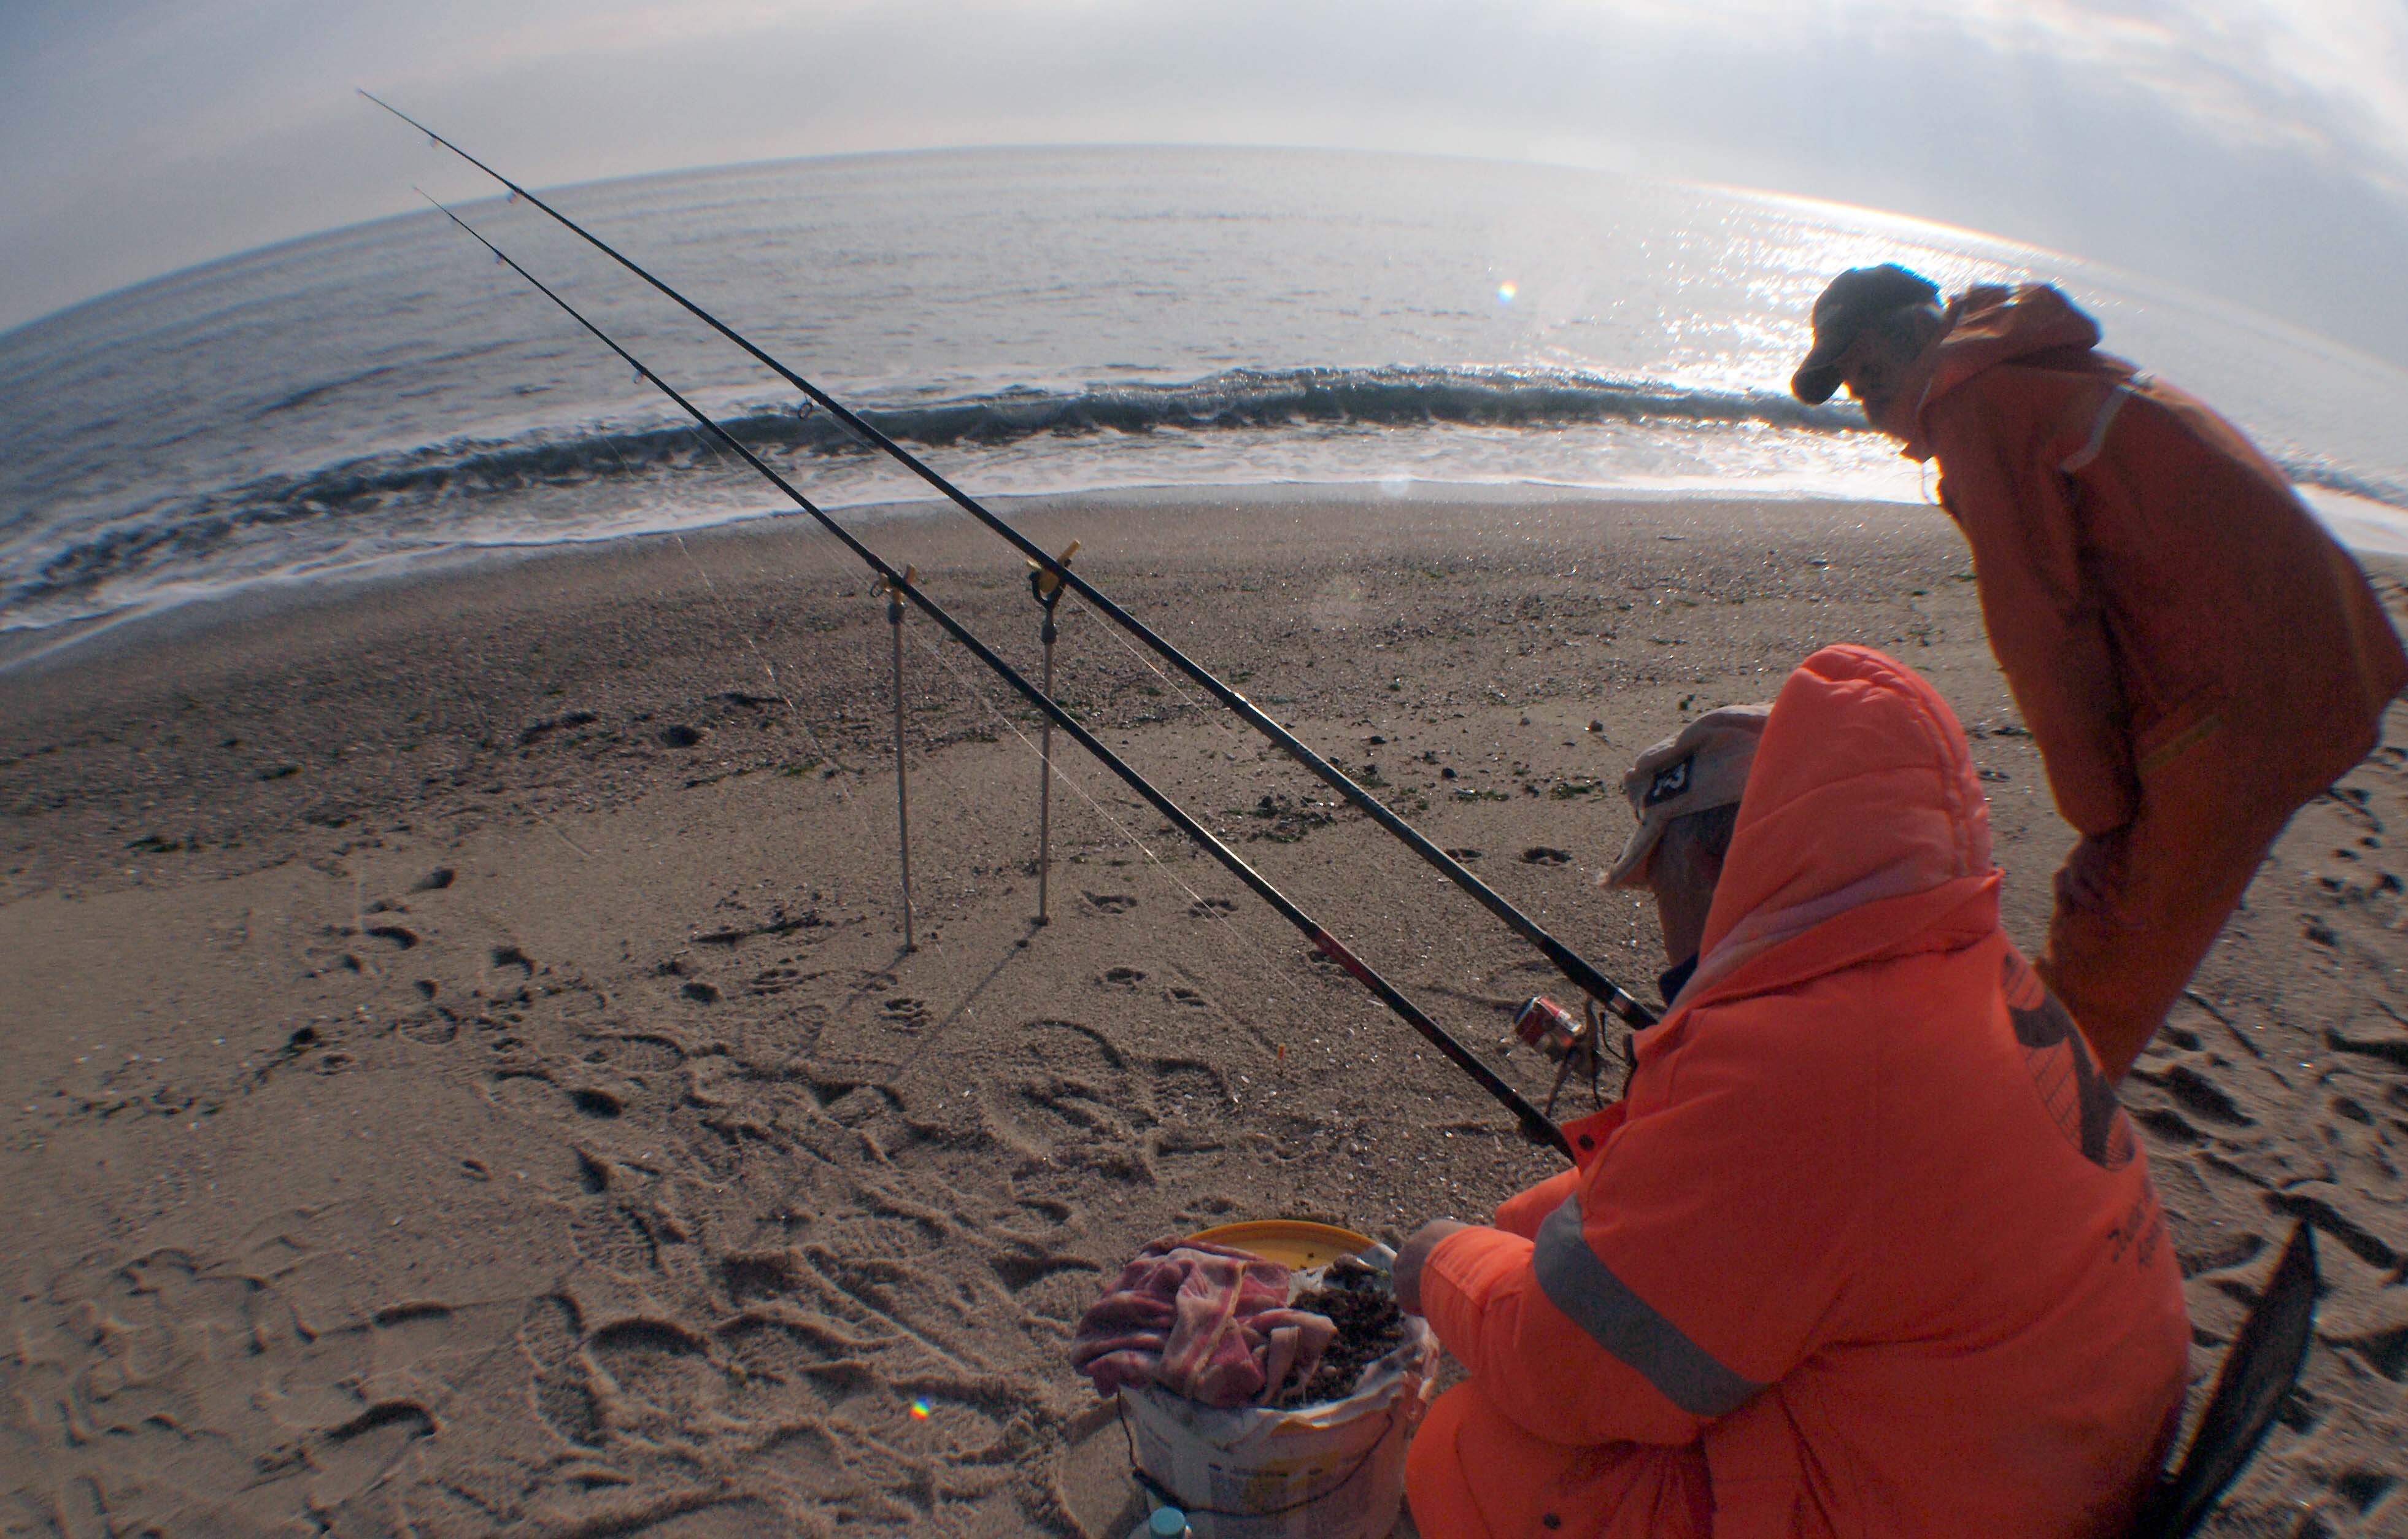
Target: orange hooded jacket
[2148, 577]
[1869, 1230]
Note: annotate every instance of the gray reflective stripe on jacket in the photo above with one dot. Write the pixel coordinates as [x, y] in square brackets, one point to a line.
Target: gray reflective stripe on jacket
[1626, 1325]
[2081, 458]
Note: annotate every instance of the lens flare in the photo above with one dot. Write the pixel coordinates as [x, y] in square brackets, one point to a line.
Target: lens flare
[921, 1410]
[1505, 293]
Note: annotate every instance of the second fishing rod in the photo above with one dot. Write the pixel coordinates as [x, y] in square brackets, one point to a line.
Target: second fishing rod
[1534, 1123]
[1614, 998]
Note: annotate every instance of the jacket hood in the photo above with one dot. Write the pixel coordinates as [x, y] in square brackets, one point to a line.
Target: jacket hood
[1992, 325]
[1863, 829]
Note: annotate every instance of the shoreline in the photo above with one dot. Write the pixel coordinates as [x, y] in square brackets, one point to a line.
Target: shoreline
[266, 598]
[2371, 530]
[480, 994]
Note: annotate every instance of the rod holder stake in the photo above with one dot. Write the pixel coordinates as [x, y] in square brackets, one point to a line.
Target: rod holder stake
[1045, 586]
[893, 588]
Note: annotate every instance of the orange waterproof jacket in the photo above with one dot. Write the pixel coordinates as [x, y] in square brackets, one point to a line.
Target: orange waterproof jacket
[1867, 1223]
[2150, 582]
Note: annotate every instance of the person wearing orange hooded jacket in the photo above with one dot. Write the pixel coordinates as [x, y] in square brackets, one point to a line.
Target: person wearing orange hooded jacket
[1867, 1246]
[2195, 656]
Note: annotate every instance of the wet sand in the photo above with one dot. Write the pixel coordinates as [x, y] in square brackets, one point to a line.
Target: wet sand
[462, 1073]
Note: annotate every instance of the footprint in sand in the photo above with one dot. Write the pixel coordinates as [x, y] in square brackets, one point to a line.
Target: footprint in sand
[1063, 1283]
[596, 1103]
[1207, 908]
[1063, 1094]
[759, 1274]
[2203, 1098]
[1187, 1087]
[1125, 977]
[564, 1395]
[680, 736]
[659, 1366]
[435, 879]
[639, 1053]
[1111, 902]
[550, 725]
[608, 1233]
[1542, 855]
[804, 1365]
[904, 1011]
[591, 1174]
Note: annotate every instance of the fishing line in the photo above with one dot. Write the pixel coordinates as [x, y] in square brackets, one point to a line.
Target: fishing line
[1238, 959]
[819, 542]
[930, 766]
[730, 621]
[970, 687]
[728, 616]
[1127, 834]
[1616, 1000]
[1238, 954]
[1534, 1123]
[768, 668]
[1220, 722]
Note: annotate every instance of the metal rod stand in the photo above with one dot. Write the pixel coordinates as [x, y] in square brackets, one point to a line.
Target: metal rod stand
[902, 786]
[1046, 587]
[1534, 1123]
[1566, 961]
[1045, 783]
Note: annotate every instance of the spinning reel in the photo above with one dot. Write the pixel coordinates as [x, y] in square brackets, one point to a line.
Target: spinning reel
[1575, 1042]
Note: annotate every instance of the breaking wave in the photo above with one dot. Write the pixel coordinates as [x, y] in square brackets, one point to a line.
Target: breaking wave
[184, 530]
[1239, 399]
[185, 533]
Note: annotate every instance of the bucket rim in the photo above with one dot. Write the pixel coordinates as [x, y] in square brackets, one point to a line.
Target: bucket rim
[1298, 1242]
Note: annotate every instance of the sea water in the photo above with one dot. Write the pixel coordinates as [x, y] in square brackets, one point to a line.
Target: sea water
[1031, 322]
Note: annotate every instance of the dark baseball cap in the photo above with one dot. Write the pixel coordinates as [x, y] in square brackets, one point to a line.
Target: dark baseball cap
[1854, 298]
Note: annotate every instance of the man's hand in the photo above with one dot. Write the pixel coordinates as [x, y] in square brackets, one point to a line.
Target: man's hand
[2089, 877]
[1407, 1273]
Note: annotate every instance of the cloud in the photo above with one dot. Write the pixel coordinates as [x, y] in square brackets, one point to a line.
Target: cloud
[2255, 150]
[2331, 79]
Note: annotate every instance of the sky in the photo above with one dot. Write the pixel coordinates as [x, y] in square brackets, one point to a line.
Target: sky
[2249, 151]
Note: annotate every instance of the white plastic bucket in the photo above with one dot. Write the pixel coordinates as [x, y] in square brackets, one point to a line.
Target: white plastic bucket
[1332, 1470]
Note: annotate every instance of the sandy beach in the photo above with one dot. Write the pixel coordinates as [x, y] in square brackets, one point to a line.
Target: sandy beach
[462, 1073]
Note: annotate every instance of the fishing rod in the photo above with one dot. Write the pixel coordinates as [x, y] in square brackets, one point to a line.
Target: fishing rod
[1616, 1000]
[1535, 1125]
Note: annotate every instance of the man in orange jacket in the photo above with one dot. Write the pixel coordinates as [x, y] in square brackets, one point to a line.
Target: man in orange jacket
[1867, 1246]
[2195, 657]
